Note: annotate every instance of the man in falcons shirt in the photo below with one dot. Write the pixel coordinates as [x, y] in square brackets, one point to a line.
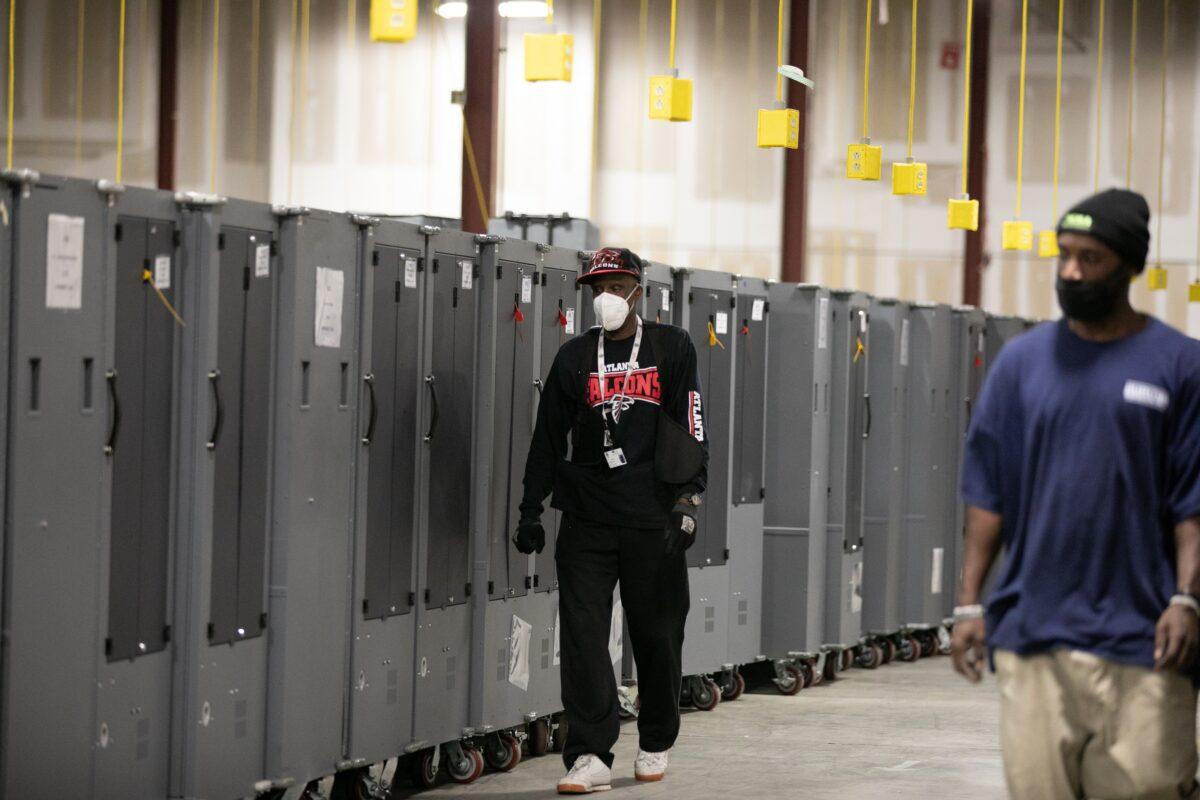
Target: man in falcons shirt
[607, 390]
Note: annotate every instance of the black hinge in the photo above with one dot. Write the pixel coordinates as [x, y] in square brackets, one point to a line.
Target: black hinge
[274, 247]
[499, 271]
[435, 266]
[176, 238]
[117, 232]
[166, 633]
[212, 631]
[537, 579]
[412, 599]
[221, 241]
[491, 587]
[366, 605]
[375, 258]
[726, 553]
[732, 302]
[421, 264]
[426, 596]
[475, 270]
[455, 297]
[108, 646]
[528, 582]
[691, 297]
[762, 493]
[543, 279]
[767, 307]
[397, 291]
[262, 620]
[246, 278]
[467, 590]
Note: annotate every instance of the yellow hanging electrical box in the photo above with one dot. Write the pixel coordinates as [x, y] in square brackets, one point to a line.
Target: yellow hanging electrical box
[1017, 234]
[864, 161]
[1156, 278]
[1047, 244]
[670, 98]
[962, 214]
[549, 56]
[909, 177]
[393, 20]
[1194, 293]
[779, 127]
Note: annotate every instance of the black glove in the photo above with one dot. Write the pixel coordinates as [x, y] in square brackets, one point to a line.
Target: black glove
[530, 536]
[681, 529]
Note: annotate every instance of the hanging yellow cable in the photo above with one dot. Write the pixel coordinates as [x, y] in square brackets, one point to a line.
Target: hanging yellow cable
[121, 93]
[255, 35]
[212, 98]
[779, 56]
[473, 165]
[1048, 239]
[1133, 27]
[671, 47]
[79, 44]
[1099, 96]
[549, 12]
[351, 19]
[1017, 234]
[148, 279]
[779, 126]
[910, 176]
[962, 213]
[1156, 277]
[12, 70]
[864, 161]
[670, 95]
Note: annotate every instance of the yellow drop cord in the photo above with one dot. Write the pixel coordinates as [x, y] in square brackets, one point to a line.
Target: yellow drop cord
[967, 98]
[474, 166]
[1099, 97]
[1162, 131]
[79, 44]
[1132, 80]
[1057, 116]
[867, 73]
[12, 70]
[148, 279]
[671, 49]
[779, 56]
[912, 79]
[351, 20]
[120, 92]
[549, 12]
[255, 35]
[1021, 104]
[212, 98]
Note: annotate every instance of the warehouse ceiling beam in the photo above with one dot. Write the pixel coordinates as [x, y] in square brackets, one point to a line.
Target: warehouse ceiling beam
[168, 91]
[480, 110]
[795, 179]
[974, 258]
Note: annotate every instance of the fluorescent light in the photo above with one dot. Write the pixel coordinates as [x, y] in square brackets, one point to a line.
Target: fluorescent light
[524, 8]
[453, 9]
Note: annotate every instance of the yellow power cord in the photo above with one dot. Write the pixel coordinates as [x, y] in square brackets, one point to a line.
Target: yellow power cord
[351, 19]
[1057, 117]
[474, 166]
[912, 79]
[1021, 104]
[1162, 132]
[867, 73]
[1099, 96]
[549, 12]
[779, 55]
[967, 98]
[671, 48]
[79, 43]
[1132, 80]
[121, 94]
[212, 98]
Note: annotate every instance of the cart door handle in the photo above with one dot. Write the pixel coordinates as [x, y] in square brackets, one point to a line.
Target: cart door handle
[114, 412]
[369, 380]
[433, 416]
[537, 384]
[867, 402]
[214, 378]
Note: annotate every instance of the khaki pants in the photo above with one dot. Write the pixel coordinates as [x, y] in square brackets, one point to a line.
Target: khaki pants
[1074, 725]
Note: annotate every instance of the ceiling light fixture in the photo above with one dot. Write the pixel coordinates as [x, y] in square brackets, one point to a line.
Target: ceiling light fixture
[452, 9]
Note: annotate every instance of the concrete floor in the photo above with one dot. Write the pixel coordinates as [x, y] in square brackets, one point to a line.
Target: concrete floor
[901, 731]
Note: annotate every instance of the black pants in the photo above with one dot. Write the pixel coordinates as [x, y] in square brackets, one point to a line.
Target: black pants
[592, 560]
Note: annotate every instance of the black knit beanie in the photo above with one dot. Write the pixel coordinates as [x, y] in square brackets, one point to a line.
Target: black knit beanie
[1119, 218]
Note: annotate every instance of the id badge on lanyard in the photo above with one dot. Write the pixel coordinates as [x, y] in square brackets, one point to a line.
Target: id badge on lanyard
[614, 456]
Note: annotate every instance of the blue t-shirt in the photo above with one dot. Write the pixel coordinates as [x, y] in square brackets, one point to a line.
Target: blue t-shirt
[1090, 453]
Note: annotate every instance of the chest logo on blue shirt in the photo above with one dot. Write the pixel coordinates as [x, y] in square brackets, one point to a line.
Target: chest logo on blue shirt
[1147, 394]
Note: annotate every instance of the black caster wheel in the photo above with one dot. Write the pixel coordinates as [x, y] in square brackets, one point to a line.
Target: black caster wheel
[424, 773]
[464, 766]
[928, 646]
[831, 666]
[812, 675]
[502, 752]
[888, 648]
[909, 650]
[869, 656]
[734, 689]
[790, 681]
[539, 737]
[847, 659]
[705, 694]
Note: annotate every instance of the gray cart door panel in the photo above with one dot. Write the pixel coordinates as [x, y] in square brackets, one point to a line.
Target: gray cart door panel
[749, 408]
[715, 363]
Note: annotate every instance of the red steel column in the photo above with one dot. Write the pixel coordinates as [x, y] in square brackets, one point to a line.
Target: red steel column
[480, 111]
[168, 88]
[795, 180]
[974, 257]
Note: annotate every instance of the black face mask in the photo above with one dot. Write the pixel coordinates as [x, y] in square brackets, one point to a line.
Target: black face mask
[1092, 301]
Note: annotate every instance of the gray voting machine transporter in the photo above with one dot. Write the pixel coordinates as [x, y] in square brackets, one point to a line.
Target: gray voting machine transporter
[885, 483]
[797, 484]
[707, 307]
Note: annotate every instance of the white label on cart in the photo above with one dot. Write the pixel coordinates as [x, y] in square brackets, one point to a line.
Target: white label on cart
[410, 273]
[527, 289]
[64, 261]
[856, 573]
[162, 272]
[935, 574]
[468, 273]
[616, 633]
[823, 323]
[556, 658]
[666, 299]
[262, 261]
[756, 310]
[570, 326]
[330, 287]
[904, 343]
[981, 342]
[518, 653]
[862, 322]
[722, 323]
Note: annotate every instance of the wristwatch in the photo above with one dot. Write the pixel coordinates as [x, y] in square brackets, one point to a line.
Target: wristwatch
[692, 500]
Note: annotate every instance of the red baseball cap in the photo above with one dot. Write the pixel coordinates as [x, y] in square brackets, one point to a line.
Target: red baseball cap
[612, 261]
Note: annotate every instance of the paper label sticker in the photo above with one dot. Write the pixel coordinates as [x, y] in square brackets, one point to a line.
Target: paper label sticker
[823, 323]
[410, 273]
[856, 573]
[666, 299]
[616, 633]
[527, 289]
[904, 343]
[468, 273]
[162, 272]
[935, 573]
[757, 308]
[570, 326]
[328, 322]
[862, 322]
[722, 323]
[981, 342]
[64, 261]
[262, 261]
[557, 657]
[518, 653]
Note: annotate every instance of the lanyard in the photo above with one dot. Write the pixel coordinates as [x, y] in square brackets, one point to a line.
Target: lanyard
[600, 369]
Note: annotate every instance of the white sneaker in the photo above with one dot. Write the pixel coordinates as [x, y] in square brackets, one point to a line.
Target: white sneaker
[650, 766]
[588, 774]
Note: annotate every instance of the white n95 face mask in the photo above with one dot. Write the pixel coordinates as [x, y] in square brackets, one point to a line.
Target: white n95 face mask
[611, 310]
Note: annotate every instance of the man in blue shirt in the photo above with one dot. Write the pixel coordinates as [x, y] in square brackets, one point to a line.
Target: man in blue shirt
[1083, 460]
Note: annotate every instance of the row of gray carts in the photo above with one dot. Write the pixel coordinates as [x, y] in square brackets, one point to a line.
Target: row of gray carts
[261, 465]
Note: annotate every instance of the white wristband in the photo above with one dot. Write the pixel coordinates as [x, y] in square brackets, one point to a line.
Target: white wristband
[965, 613]
[1186, 600]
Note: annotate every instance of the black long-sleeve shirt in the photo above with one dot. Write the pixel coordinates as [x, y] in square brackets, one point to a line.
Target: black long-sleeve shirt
[584, 484]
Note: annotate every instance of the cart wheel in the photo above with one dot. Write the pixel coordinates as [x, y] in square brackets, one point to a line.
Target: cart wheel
[831, 664]
[847, 659]
[909, 651]
[424, 774]
[539, 737]
[705, 695]
[792, 681]
[869, 656]
[736, 688]
[502, 752]
[928, 646]
[558, 733]
[464, 768]
[715, 688]
[812, 675]
[889, 651]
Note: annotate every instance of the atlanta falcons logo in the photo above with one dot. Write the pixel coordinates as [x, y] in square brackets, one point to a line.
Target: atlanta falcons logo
[619, 396]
